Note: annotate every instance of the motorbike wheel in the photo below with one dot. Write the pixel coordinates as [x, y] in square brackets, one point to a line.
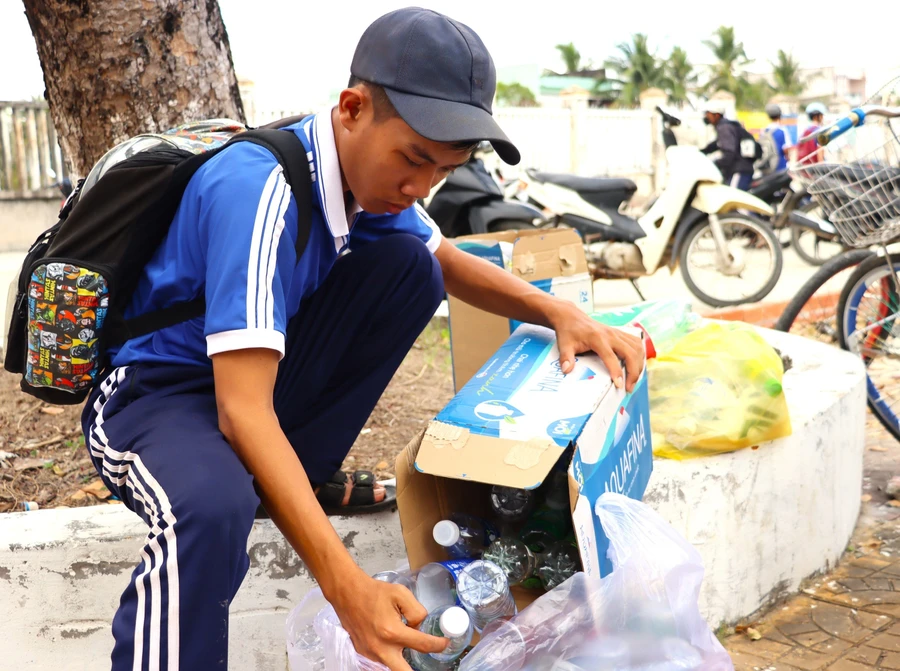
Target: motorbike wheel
[813, 249]
[756, 249]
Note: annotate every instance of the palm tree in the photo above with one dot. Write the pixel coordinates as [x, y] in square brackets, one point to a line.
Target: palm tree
[570, 56]
[637, 69]
[730, 57]
[680, 76]
[515, 95]
[786, 73]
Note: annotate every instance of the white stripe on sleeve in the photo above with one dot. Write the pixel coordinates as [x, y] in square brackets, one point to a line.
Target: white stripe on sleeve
[436, 237]
[263, 211]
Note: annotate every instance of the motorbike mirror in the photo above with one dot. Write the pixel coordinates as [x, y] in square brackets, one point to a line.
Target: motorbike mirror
[668, 118]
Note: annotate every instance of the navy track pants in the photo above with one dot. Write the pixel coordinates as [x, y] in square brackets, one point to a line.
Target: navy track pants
[152, 432]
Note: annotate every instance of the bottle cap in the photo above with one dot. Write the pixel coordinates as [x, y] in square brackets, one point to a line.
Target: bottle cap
[446, 533]
[454, 622]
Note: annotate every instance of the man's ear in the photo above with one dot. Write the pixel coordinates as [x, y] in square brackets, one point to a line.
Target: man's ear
[354, 105]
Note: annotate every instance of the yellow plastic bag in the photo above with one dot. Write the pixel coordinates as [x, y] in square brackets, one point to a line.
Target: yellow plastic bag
[717, 390]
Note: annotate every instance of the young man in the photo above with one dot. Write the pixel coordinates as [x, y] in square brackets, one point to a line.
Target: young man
[262, 398]
[781, 138]
[736, 169]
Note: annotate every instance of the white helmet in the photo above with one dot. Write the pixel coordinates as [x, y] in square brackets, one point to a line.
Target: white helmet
[714, 106]
[815, 108]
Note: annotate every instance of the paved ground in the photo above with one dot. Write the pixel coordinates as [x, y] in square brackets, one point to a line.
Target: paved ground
[849, 618]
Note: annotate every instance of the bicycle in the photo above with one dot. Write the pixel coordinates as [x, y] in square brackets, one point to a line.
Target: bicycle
[855, 178]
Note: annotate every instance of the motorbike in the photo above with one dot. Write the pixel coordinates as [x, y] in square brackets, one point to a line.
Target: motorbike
[815, 240]
[697, 223]
[471, 201]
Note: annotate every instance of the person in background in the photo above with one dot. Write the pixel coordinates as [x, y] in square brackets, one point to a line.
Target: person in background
[807, 150]
[781, 138]
[736, 169]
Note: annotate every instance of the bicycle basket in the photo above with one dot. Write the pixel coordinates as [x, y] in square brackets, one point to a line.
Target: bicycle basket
[856, 181]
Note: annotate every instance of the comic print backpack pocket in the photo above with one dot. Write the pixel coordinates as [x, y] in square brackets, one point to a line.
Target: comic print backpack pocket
[67, 306]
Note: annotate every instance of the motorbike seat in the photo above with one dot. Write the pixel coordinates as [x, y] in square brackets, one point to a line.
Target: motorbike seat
[607, 193]
[586, 184]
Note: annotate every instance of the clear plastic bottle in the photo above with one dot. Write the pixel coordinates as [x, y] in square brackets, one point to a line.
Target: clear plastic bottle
[436, 583]
[310, 646]
[483, 590]
[464, 536]
[451, 622]
[514, 557]
[511, 505]
[559, 563]
[397, 578]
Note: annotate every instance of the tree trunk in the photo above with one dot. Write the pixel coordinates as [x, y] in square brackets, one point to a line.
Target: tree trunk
[116, 68]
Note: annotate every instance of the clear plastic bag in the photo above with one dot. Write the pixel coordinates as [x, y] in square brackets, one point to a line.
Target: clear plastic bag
[718, 389]
[641, 617]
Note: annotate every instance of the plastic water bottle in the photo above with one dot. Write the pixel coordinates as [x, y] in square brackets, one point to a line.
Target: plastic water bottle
[451, 622]
[310, 646]
[397, 578]
[436, 583]
[511, 505]
[559, 563]
[483, 590]
[514, 557]
[464, 536]
[552, 521]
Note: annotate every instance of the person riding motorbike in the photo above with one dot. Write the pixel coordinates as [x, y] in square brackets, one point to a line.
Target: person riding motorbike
[806, 147]
[736, 169]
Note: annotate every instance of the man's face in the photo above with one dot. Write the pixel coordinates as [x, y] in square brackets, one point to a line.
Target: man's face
[386, 164]
[711, 118]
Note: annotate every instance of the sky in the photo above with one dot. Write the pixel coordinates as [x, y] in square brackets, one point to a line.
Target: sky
[298, 53]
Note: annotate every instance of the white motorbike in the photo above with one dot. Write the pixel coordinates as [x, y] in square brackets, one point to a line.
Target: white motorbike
[726, 257]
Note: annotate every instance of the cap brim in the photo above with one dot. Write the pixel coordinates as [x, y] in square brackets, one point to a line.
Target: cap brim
[448, 121]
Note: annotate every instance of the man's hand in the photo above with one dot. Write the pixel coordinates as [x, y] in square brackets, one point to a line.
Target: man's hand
[370, 612]
[577, 333]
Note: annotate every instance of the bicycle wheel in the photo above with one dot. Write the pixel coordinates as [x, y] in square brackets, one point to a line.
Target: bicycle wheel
[869, 320]
[813, 249]
[812, 311]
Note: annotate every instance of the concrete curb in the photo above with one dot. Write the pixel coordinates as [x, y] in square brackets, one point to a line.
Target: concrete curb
[762, 520]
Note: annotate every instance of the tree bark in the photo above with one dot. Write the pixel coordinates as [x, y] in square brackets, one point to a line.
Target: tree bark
[116, 68]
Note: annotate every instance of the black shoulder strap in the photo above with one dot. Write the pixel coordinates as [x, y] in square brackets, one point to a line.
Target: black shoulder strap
[291, 154]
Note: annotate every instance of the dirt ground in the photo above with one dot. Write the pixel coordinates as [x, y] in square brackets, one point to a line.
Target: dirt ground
[51, 466]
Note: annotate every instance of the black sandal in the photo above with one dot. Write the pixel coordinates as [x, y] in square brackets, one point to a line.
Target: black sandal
[362, 494]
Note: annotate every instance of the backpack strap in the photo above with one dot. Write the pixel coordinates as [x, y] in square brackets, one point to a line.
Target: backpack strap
[291, 154]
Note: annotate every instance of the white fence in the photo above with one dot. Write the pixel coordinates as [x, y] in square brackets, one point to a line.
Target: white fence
[30, 158]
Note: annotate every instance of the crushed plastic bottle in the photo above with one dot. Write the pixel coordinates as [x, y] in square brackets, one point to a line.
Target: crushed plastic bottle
[309, 645]
[514, 557]
[559, 563]
[451, 622]
[397, 578]
[511, 505]
[464, 536]
[483, 591]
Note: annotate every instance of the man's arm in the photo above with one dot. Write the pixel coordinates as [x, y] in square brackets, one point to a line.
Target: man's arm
[492, 289]
[369, 610]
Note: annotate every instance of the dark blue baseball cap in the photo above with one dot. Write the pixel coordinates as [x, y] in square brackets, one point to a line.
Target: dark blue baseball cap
[438, 75]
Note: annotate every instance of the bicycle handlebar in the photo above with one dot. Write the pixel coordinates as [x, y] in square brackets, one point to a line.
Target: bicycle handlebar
[856, 118]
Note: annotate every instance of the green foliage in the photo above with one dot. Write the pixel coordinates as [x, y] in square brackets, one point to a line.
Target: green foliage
[680, 77]
[515, 95]
[786, 73]
[571, 57]
[638, 69]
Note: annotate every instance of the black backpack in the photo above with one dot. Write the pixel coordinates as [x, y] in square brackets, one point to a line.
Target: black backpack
[79, 275]
[749, 148]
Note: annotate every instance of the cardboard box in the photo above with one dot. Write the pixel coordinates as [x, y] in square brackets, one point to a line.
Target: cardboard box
[552, 259]
[509, 426]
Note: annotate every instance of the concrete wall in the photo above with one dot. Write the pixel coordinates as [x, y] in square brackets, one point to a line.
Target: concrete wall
[21, 221]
